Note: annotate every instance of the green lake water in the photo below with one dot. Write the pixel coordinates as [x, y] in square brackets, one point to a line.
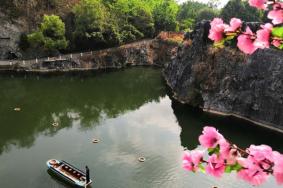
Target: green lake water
[132, 115]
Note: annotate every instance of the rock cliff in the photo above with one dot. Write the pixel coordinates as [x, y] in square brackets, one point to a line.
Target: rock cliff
[10, 32]
[227, 81]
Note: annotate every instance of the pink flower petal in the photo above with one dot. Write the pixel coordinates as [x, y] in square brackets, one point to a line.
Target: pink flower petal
[217, 29]
[278, 168]
[251, 173]
[210, 137]
[276, 43]
[215, 166]
[276, 16]
[260, 4]
[191, 160]
[235, 24]
[245, 44]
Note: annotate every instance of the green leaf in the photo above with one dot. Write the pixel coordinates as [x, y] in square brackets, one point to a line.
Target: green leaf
[237, 167]
[215, 150]
[281, 46]
[277, 32]
[231, 37]
[201, 168]
[228, 169]
[219, 44]
[211, 151]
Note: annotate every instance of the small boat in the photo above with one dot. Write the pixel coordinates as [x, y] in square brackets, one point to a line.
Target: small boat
[68, 172]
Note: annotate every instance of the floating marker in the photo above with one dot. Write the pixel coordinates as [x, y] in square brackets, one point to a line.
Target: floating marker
[95, 141]
[141, 159]
[17, 109]
[55, 124]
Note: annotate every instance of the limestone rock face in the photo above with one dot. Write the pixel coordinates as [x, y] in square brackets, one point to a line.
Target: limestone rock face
[10, 32]
[228, 81]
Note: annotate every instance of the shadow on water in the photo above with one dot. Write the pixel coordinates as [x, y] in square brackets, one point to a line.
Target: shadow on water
[70, 100]
[240, 132]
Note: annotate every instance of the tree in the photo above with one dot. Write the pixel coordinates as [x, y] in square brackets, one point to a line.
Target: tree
[206, 14]
[189, 11]
[90, 23]
[50, 34]
[134, 14]
[241, 9]
[165, 16]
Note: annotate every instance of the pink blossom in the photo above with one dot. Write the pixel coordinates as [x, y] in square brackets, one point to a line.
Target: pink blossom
[263, 36]
[210, 137]
[191, 160]
[276, 15]
[261, 155]
[251, 172]
[227, 152]
[276, 43]
[225, 148]
[260, 4]
[246, 43]
[278, 168]
[215, 166]
[235, 24]
[261, 152]
[217, 29]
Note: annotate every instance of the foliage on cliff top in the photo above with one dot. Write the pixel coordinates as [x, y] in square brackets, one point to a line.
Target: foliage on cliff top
[50, 35]
[94, 24]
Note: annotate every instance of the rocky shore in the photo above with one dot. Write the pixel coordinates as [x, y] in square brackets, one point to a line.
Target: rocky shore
[152, 52]
[228, 82]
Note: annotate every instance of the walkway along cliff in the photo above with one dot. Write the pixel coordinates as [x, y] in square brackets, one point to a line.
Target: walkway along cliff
[151, 52]
[228, 82]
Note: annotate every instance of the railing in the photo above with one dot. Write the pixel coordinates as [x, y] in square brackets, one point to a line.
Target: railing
[76, 56]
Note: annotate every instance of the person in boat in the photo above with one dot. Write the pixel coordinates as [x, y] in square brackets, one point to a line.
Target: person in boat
[87, 174]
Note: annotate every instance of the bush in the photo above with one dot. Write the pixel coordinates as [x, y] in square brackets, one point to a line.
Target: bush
[50, 34]
[130, 33]
[206, 14]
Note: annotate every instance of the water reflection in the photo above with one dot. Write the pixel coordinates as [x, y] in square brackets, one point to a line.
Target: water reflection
[68, 100]
[237, 131]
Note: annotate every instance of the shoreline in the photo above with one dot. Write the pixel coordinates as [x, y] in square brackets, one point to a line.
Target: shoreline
[256, 123]
[74, 70]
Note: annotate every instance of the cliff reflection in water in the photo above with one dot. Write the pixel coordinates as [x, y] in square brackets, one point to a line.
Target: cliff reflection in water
[241, 133]
[69, 100]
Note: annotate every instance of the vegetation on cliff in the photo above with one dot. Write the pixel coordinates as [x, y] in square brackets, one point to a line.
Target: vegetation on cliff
[93, 24]
[50, 34]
